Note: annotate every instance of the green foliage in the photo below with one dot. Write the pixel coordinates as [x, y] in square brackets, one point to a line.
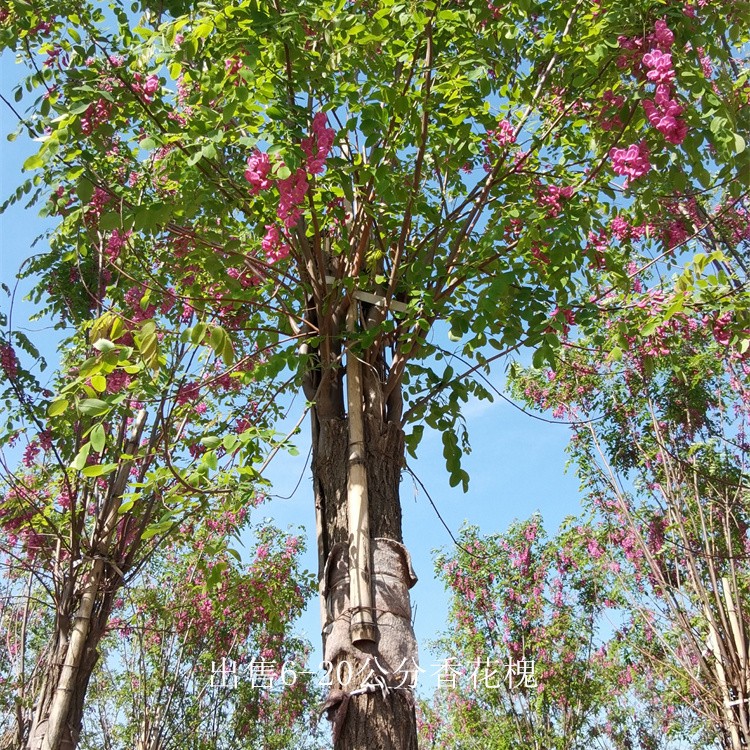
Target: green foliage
[660, 444]
[456, 127]
[549, 604]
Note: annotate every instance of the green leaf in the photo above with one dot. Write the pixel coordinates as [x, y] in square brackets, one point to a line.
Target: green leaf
[98, 470]
[414, 438]
[85, 190]
[99, 383]
[35, 161]
[615, 355]
[93, 407]
[198, 333]
[650, 327]
[148, 345]
[98, 438]
[80, 460]
[104, 345]
[57, 407]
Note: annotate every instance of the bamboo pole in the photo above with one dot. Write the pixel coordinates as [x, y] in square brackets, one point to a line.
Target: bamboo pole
[743, 683]
[715, 646]
[362, 627]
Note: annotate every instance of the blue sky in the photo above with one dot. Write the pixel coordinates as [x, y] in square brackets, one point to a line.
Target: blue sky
[516, 465]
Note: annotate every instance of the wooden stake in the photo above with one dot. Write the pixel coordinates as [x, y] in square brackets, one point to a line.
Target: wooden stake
[362, 626]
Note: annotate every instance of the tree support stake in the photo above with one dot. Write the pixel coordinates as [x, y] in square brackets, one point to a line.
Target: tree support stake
[362, 626]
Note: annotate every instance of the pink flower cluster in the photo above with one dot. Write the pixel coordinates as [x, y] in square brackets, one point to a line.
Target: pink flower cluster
[660, 66]
[662, 36]
[30, 453]
[500, 137]
[8, 361]
[117, 240]
[133, 299]
[95, 115]
[663, 113]
[118, 380]
[633, 161]
[146, 88]
[258, 168]
[620, 228]
[292, 191]
[318, 144]
[272, 245]
[233, 66]
[553, 197]
[609, 119]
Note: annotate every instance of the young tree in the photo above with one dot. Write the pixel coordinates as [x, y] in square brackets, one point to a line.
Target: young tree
[200, 653]
[530, 656]
[661, 448]
[133, 437]
[338, 178]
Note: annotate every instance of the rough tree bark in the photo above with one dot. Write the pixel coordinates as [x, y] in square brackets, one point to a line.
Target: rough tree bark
[370, 702]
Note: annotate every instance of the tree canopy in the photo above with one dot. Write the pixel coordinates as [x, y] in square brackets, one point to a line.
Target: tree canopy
[377, 197]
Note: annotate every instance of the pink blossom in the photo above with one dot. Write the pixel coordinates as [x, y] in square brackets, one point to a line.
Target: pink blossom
[633, 161]
[721, 330]
[706, 64]
[117, 381]
[8, 361]
[318, 144]
[554, 197]
[258, 167]
[676, 234]
[134, 299]
[609, 119]
[504, 135]
[292, 191]
[620, 228]
[501, 137]
[151, 86]
[662, 35]
[95, 115]
[594, 549]
[272, 245]
[117, 240]
[663, 114]
[30, 453]
[233, 65]
[660, 66]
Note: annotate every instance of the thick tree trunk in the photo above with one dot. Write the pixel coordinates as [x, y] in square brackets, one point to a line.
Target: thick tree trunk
[371, 702]
[58, 712]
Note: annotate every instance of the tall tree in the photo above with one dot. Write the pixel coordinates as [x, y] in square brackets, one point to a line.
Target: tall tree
[199, 653]
[337, 179]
